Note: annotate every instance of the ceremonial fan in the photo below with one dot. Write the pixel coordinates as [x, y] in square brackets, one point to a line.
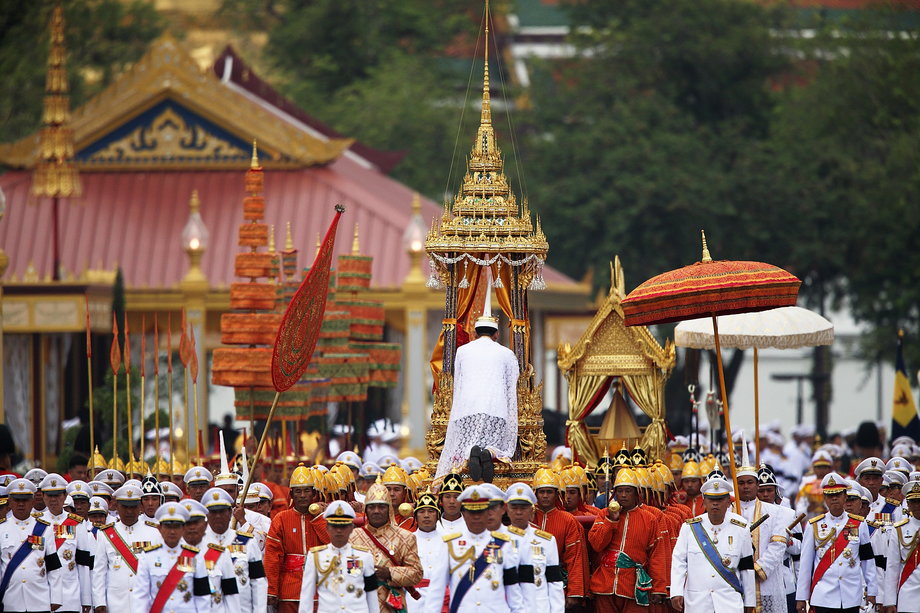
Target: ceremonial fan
[711, 288]
[299, 330]
[783, 328]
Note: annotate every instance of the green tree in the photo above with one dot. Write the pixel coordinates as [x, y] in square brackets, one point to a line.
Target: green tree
[102, 37]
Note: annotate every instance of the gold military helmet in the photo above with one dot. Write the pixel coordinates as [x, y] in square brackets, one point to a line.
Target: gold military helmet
[544, 477]
[657, 481]
[160, 467]
[97, 462]
[116, 463]
[667, 478]
[626, 476]
[676, 463]
[643, 476]
[377, 494]
[580, 477]
[708, 464]
[691, 470]
[179, 468]
[302, 477]
[394, 475]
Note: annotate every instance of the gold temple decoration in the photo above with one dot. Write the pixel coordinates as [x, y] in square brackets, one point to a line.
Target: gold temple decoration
[484, 225]
[609, 349]
[55, 175]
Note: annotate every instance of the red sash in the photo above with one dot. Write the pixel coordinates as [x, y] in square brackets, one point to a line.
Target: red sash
[120, 546]
[211, 555]
[910, 565]
[69, 522]
[834, 552]
[411, 589]
[172, 580]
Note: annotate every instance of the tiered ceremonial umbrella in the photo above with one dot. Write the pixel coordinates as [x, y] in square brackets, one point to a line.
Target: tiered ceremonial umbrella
[711, 288]
[783, 328]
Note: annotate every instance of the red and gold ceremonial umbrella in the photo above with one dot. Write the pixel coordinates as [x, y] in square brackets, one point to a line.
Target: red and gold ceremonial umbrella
[711, 288]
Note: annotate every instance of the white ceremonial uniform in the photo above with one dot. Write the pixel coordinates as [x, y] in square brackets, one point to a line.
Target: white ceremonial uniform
[842, 584]
[36, 584]
[257, 525]
[769, 551]
[693, 576]
[75, 553]
[224, 593]
[901, 541]
[488, 592]
[879, 535]
[247, 565]
[432, 552]
[189, 596]
[484, 408]
[113, 579]
[448, 526]
[793, 549]
[342, 578]
[538, 551]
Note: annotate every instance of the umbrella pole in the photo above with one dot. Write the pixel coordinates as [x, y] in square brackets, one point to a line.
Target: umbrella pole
[756, 414]
[728, 422]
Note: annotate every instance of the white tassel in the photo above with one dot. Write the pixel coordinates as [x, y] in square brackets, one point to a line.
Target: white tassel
[498, 283]
[465, 283]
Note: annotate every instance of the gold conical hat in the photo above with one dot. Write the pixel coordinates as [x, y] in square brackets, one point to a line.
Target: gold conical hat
[643, 476]
[160, 467]
[544, 477]
[302, 477]
[708, 464]
[568, 478]
[377, 494]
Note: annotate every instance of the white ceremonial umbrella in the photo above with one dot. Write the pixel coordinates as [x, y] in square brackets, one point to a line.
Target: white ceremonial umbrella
[788, 327]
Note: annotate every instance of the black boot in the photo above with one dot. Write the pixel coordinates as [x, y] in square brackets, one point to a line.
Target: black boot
[475, 463]
[488, 467]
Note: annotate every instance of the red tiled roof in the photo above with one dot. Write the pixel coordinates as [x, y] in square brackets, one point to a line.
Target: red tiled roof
[230, 67]
[135, 219]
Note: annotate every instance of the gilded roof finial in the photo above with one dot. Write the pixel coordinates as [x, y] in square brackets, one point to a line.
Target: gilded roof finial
[706, 256]
[254, 164]
[271, 238]
[288, 239]
[486, 116]
[355, 243]
[416, 204]
[194, 204]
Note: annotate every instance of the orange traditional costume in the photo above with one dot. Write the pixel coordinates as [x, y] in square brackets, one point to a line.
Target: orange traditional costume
[570, 537]
[291, 535]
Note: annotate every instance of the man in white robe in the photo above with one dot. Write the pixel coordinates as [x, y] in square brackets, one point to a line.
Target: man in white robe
[484, 414]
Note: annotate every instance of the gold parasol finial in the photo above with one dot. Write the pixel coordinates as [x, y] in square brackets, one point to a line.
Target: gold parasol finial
[254, 164]
[706, 256]
[288, 239]
[901, 333]
[318, 244]
[486, 114]
[355, 243]
[271, 238]
[194, 204]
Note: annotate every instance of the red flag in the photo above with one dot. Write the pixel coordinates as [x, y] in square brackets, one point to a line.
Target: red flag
[89, 340]
[303, 318]
[127, 347]
[143, 344]
[115, 353]
[156, 345]
[169, 342]
[183, 342]
[193, 355]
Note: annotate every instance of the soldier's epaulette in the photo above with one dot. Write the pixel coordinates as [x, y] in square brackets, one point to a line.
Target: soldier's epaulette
[75, 517]
[317, 548]
[150, 548]
[901, 523]
[500, 535]
[216, 547]
[42, 521]
[543, 534]
[2, 519]
[693, 520]
[856, 517]
[514, 530]
[449, 537]
[190, 548]
[361, 548]
[816, 518]
[107, 526]
[246, 534]
[152, 524]
[37, 514]
[893, 502]
[874, 524]
[739, 522]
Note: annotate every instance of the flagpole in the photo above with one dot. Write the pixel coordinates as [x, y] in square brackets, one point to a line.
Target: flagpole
[255, 461]
[156, 385]
[194, 374]
[127, 359]
[143, 380]
[115, 361]
[169, 378]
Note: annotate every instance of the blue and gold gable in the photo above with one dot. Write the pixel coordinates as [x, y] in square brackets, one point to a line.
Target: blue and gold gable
[164, 113]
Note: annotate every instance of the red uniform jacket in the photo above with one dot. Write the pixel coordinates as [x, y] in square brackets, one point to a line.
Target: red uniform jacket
[637, 533]
[290, 537]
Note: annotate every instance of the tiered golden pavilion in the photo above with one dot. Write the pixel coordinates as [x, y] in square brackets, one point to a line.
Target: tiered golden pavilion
[485, 227]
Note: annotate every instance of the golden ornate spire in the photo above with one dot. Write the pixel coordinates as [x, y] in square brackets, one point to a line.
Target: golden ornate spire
[356, 243]
[706, 256]
[55, 175]
[271, 238]
[255, 156]
[288, 239]
[484, 216]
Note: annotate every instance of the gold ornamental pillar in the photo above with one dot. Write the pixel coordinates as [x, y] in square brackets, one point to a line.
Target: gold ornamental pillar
[414, 290]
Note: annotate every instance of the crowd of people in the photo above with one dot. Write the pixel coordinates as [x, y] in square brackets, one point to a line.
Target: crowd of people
[680, 533]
